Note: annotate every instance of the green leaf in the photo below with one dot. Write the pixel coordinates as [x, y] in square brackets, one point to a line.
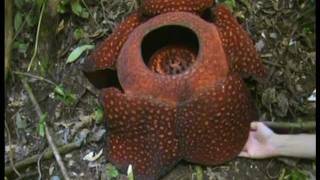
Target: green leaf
[61, 8]
[85, 14]
[98, 115]
[199, 173]
[78, 33]
[31, 20]
[111, 171]
[20, 122]
[78, 9]
[296, 174]
[17, 21]
[19, 4]
[230, 3]
[21, 46]
[59, 90]
[43, 118]
[76, 53]
[70, 98]
[64, 2]
[130, 173]
[65, 96]
[42, 124]
[39, 3]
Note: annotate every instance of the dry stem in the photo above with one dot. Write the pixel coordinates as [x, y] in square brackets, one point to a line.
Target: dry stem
[48, 135]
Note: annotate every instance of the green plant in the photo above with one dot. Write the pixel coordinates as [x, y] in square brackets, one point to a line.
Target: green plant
[76, 7]
[63, 95]
[111, 171]
[25, 18]
[199, 173]
[230, 3]
[98, 114]
[76, 53]
[293, 174]
[42, 124]
[79, 33]
[130, 173]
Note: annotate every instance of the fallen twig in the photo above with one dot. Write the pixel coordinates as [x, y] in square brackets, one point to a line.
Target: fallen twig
[304, 126]
[48, 154]
[10, 150]
[39, 165]
[48, 135]
[27, 175]
[268, 170]
[84, 122]
[36, 77]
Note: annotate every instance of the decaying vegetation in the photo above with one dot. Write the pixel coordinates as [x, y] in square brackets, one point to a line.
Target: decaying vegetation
[46, 40]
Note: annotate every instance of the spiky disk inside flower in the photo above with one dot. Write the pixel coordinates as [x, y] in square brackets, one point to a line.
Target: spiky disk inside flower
[172, 59]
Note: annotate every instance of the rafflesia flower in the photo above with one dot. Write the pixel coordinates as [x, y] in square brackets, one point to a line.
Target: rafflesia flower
[179, 93]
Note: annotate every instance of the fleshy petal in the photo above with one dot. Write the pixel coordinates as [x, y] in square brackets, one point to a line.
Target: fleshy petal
[155, 7]
[214, 124]
[141, 132]
[107, 52]
[237, 44]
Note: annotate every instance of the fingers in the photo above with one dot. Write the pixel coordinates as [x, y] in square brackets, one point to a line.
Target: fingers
[254, 126]
[263, 129]
[244, 154]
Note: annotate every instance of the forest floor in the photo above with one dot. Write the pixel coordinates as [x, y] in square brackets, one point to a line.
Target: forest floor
[284, 32]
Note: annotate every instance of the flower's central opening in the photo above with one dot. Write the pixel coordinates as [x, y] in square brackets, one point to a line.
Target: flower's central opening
[170, 49]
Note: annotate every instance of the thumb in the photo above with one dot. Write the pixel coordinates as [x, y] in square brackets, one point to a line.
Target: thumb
[254, 125]
[244, 154]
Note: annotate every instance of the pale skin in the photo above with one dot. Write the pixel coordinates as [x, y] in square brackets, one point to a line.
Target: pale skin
[264, 143]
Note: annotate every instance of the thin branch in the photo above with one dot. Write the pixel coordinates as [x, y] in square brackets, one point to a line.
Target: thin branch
[311, 125]
[27, 175]
[271, 63]
[48, 154]
[37, 36]
[39, 165]
[35, 76]
[32, 97]
[57, 155]
[10, 150]
[48, 135]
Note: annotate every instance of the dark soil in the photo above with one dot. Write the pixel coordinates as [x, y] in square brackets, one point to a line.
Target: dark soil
[284, 33]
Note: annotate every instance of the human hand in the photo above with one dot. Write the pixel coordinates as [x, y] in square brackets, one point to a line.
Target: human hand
[260, 142]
